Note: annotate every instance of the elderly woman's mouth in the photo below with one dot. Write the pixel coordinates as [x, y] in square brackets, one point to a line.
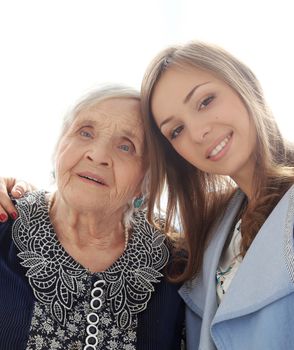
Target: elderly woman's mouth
[93, 178]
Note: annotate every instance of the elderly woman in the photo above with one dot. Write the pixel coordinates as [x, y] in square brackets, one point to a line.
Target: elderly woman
[81, 268]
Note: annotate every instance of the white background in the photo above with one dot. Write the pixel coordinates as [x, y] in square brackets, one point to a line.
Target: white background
[53, 51]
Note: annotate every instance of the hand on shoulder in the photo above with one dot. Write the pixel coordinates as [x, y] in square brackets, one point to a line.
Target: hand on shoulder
[16, 188]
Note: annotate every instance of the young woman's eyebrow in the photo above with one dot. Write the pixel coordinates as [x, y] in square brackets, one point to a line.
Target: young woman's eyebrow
[190, 94]
[167, 120]
[186, 100]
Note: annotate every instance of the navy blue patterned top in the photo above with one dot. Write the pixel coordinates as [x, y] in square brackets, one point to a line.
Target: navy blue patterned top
[49, 301]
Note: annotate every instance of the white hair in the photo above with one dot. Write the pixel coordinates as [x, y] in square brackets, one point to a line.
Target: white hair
[92, 98]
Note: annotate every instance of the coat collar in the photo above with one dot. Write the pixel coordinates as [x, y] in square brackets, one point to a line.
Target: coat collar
[202, 287]
[266, 273]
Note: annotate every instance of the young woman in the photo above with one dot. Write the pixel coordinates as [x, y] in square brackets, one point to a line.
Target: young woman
[229, 175]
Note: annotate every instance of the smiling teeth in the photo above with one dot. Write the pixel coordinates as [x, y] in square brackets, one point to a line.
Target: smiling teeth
[219, 147]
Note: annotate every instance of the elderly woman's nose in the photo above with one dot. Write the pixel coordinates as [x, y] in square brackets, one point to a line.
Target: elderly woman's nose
[100, 154]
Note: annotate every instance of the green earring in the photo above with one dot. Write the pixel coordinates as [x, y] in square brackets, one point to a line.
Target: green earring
[137, 202]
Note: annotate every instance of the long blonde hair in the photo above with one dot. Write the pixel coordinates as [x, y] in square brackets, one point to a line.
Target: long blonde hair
[198, 196]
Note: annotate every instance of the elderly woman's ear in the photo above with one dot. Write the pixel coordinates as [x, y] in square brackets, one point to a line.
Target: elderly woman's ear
[16, 188]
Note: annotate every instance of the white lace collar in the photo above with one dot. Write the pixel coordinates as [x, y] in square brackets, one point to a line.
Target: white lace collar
[55, 277]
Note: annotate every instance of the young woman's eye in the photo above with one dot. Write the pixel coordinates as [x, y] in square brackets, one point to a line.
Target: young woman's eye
[206, 102]
[176, 132]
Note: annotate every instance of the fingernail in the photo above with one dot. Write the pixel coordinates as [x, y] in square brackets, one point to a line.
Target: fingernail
[14, 215]
[3, 217]
[19, 192]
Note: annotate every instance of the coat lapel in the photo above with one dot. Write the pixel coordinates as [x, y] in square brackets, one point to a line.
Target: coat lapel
[265, 273]
[200, 293]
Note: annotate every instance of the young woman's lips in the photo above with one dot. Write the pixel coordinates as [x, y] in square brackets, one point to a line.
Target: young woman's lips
[219, 149]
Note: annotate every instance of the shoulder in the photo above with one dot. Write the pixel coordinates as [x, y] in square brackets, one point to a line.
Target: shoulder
[146, 231]
[4, 226]
[8, 251]
[171, 245]
[160, 326]
[32, 199]
[5, 234]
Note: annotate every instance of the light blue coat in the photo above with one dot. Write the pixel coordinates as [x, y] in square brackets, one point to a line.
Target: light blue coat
[257, 311]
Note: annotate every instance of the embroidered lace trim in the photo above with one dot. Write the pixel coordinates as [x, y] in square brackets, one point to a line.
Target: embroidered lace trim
[56, 278]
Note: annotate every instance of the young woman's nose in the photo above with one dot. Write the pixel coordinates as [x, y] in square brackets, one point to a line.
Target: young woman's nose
[198, 129]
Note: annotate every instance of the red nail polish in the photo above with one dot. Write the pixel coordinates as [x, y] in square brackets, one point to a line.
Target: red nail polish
[14, 215]
[3, 217]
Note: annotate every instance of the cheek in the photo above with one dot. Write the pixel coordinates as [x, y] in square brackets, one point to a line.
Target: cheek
[130, 179]
[248, 128]
[64, 159]
[252, 138]
[135, 178]
[184, 148]
[191, 155]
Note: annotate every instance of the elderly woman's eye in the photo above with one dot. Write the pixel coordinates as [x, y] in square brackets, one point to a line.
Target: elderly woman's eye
[126, 147]
[85, 133]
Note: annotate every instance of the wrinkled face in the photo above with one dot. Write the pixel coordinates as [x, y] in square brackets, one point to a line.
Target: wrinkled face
[100, 159]
[205, 121]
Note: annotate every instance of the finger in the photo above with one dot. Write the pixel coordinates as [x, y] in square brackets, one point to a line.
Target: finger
[6, 206]
[20, 188]
[3, 214]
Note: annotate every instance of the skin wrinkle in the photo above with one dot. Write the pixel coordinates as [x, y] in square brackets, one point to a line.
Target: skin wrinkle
[87, 215]
[107, 128]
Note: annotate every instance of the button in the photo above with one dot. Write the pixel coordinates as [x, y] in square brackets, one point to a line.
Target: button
[96, 303]
[99, 283]
[91, 340]
[89, 347]
[92, 318]
[92, 329]
[96, 292]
